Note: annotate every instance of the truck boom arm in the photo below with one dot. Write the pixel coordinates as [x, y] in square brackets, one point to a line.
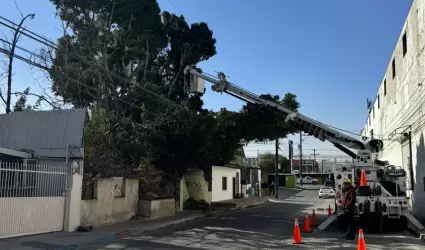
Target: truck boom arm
[312, 127]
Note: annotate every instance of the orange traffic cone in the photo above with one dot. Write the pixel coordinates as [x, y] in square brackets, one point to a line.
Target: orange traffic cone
[361, 244]
[313, 220]
[307, 228]
[329, 211]
[297, 233]
[363, 182]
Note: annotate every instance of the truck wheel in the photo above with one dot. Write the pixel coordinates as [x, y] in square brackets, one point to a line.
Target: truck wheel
[341, 223]
[403, 223]
[376, 223]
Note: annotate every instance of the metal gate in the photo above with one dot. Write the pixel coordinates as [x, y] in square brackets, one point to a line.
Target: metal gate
[406, 162]
[32, 198]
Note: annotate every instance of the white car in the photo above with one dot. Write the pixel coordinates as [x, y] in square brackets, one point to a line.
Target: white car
[308, 180]
[326, 192]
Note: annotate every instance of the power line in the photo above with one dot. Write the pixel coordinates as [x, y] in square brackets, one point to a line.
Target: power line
[51, 45]
[8, 53]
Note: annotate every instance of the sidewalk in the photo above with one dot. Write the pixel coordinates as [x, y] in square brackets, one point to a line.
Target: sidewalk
[75, 240]
[239, 203]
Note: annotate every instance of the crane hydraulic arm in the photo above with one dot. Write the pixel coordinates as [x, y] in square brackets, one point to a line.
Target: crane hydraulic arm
[312, 127]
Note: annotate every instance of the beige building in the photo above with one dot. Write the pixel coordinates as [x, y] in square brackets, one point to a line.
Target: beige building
[399, 105]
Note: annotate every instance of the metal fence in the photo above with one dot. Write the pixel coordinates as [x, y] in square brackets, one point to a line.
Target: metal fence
[31, 180]
[32, 198]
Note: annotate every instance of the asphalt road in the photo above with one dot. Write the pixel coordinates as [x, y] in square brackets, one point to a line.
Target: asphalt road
[269, 226]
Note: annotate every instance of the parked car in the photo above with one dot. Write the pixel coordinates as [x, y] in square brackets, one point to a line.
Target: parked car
[308, 180]
[328, 183]
[326, 192]
[295, 172]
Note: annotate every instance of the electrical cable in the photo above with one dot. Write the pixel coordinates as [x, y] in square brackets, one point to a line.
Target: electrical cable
[51, 45]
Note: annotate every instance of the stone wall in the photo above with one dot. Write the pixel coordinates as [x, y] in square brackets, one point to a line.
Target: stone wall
[157, 208]
[116, 201]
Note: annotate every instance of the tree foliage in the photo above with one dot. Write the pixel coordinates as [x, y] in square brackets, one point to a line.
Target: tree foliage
[125, 60]
[21, 103]
[267, 163]
[263, 123]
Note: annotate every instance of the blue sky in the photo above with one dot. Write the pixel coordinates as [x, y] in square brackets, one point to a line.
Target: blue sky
[332, 54]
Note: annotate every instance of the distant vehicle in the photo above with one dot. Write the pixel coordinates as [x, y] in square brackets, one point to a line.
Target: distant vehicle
[328, 183]
[308, 180]
[326, 192]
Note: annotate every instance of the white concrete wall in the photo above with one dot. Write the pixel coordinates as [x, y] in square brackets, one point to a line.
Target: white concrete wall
[72, 217]
[218, 172]
[403, 103]
[107, 208]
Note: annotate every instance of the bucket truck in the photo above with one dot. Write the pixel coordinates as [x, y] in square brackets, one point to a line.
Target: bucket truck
[382, 201]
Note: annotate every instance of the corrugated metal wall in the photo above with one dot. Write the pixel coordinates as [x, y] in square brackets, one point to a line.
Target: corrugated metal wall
[47, 131]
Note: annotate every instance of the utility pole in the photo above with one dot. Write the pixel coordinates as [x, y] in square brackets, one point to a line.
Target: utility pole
[11, 56]
[276, 170]
[314, 156]
[291, 154]
[301, 158]
[409, 136]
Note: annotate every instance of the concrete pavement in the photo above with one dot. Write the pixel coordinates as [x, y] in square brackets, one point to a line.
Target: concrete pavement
[267, 226]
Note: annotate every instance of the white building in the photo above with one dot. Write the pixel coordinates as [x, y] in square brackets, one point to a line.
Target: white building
[226, 183]
[399, 104]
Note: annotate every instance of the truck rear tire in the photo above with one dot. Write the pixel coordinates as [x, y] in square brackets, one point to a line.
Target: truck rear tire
[341, 223]
[403, 223]
[377, 223]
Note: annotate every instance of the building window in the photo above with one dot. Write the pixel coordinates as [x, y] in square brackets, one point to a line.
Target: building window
[379, 105]
[224, 183]
[385, 86]
[373, 111]
[393, 68]
[404, 44]
[369, 120]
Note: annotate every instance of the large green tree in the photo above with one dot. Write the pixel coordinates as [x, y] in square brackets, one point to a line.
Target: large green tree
[267, 163]
[125, 60]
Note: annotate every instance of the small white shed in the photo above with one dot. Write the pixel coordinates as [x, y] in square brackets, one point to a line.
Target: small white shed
[226, 183]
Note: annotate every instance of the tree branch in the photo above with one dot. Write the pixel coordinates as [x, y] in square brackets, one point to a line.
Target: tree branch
[41, 97]
[2, 98]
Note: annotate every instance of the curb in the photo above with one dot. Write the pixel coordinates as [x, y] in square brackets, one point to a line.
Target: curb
[127, 233]
[416, 233]
[220, 212]
[296, 188]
